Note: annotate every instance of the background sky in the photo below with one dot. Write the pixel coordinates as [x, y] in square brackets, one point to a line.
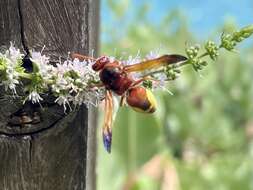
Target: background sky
[203, 15]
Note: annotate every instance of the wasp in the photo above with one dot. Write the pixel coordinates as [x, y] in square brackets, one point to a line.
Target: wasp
[117, 79]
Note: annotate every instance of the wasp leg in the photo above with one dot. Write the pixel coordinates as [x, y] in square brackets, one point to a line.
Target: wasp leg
[122, 100]
[98, 85]
[136, 83]
[107, 127]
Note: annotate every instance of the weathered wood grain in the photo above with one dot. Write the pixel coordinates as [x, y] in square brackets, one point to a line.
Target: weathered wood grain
[59, 25]
[9, 23]
[53, 159]
[51, 154]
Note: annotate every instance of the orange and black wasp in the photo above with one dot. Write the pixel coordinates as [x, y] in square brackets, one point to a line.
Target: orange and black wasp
[116, 78]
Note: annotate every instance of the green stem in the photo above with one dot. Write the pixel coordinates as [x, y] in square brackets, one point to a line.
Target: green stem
[203, 55]
[181, 64]
[22, 75]
[29, 76]
[1, 67]
[25, 75]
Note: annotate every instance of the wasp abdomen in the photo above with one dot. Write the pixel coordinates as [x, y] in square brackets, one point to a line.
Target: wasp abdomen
[141, 100]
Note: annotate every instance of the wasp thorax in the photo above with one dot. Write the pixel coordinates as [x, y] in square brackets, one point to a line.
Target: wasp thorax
[141, 100]
[100, 63]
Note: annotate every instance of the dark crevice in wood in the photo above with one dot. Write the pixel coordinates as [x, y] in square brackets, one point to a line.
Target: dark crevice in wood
[87, 21]
[30, 148]
[17, 135]
[23, 41]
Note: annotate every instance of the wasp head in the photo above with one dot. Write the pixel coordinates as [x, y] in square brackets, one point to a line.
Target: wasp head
[100, 63]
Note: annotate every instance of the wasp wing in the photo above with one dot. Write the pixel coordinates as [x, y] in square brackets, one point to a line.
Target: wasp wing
[155, 63]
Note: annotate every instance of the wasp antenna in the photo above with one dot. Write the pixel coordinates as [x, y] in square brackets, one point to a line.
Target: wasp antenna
[82, 57]
[107, 139]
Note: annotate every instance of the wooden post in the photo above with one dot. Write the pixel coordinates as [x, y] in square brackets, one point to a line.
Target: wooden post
[52, 154]
[94, 31]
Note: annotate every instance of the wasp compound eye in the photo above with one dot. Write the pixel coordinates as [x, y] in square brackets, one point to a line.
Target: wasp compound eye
[100, 63]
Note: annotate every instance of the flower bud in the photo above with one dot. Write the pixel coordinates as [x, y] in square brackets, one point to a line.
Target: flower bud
[212, 50]
[192, 51]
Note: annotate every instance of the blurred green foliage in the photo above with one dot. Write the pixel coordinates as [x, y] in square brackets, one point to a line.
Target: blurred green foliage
[205, 128]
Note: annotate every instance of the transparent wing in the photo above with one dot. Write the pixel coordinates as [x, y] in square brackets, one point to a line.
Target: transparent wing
[155, 63]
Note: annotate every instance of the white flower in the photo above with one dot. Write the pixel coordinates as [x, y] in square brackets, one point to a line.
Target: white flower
[62, 68]
[152, 54]
[12, 57]
[111, 59]
[71, 81]
[88, 97]
[45, 69]
[11, 84]
[63, 100]
[12, 78]
[38, 58]
[77, 88]
[34, 97]
[60, 84]
[132, 60]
